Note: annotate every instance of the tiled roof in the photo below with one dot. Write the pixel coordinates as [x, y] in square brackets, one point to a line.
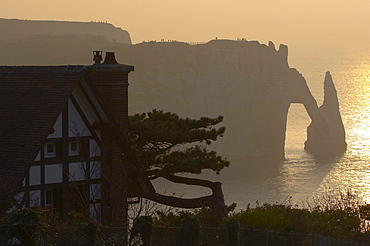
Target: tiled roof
[31, 98]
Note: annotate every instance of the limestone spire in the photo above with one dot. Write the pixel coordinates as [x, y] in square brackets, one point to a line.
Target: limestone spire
[329, 142]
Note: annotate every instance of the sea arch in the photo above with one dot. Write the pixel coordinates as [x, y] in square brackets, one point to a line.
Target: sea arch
[326, 133]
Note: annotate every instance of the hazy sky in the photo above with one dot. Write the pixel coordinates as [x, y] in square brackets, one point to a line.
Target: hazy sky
[293, 22]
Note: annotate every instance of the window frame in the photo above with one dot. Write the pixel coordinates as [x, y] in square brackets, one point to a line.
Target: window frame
[73, 152]
[47, 153]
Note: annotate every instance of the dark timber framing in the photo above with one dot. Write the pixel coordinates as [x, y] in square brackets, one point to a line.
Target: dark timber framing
[64, 159]
[43, 166]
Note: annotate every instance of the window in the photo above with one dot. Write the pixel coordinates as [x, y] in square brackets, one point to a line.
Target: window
[48, 198]
[54, 199]
[73, 148]
[50, 150]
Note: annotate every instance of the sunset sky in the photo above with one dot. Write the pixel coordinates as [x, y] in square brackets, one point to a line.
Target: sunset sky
[340, 23]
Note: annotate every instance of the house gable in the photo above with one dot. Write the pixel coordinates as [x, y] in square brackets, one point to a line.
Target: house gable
[69, 156]
[30, 102]
[61, 139]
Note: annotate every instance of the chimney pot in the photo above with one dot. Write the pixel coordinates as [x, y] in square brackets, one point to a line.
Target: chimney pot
[110, 58]
[97, 56]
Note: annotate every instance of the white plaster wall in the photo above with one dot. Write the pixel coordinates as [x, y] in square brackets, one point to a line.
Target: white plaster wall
[76, 125]
[35, 198]
[94, 148]
[38, 157]
[57, 128]
[95, 191]
[77, 171]
[95, 170]
[95, 211]
[35, 175]
[53, 173]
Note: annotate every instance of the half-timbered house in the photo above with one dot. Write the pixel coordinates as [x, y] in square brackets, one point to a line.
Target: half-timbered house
[64, 144]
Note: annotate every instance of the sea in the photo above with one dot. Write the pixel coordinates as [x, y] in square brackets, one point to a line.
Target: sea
[300, 179]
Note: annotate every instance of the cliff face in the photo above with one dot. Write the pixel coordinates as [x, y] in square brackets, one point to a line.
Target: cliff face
[327, 140]
[15, 29]
[250, 84]
[246, 82]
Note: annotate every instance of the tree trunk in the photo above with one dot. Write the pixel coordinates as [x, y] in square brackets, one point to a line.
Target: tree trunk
[215, 201]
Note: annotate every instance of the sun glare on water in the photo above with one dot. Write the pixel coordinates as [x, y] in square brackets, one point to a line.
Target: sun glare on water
[357, 104]
[352, 171]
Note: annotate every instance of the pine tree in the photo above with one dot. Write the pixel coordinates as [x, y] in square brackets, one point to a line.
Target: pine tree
[169, 145]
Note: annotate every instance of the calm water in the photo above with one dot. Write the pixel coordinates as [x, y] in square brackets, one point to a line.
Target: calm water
[300, 176]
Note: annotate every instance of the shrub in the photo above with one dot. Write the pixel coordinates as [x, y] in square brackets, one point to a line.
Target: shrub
[25, 225]
[278, 217]
[338, 214]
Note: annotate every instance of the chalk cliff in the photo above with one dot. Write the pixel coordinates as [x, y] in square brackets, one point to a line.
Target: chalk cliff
[15, 29]
[249, 83]
[328, 139]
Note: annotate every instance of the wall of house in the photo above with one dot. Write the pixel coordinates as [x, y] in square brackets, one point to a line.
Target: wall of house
[67, 169]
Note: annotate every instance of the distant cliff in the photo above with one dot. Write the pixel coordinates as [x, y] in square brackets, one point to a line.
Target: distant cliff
[15, 29]
[249, 83]
[326, 141]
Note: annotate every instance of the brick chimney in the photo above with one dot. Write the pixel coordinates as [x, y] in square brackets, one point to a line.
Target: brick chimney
[111, 81]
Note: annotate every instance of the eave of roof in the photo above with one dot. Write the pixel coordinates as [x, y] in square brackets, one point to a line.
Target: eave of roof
[31, 98]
